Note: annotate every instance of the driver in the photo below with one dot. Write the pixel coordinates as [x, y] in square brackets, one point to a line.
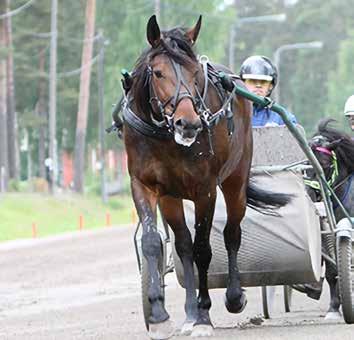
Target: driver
[349, 111]
[260, 77]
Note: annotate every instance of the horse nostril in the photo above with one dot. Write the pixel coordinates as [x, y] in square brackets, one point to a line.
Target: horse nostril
[179, 122]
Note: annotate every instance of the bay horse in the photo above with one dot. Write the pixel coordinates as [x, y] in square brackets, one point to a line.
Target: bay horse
[334, 150]
[184, 135]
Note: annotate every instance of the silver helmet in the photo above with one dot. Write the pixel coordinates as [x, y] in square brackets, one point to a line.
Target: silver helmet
[259, 67]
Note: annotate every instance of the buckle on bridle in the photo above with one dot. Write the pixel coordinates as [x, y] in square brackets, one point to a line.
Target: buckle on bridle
[169, 122]
[205, 116]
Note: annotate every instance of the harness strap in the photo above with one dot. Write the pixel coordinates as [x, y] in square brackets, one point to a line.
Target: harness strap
[144, 128]
[204, 60]
[312, 184]
[335, 173]
[323, 150]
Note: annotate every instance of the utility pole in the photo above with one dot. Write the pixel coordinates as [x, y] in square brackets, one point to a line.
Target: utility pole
[3, 108]
[84, 97]
[102, 43]
[12, 125]
[53, 160]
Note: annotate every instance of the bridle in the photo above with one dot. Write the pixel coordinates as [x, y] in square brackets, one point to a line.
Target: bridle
[318, 144]
[163, 127]
[168, 116]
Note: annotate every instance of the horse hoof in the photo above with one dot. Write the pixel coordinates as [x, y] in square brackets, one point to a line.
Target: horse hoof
[162, 330]
[187, 328]
[202, 331]
[236, 308]
[333, 316]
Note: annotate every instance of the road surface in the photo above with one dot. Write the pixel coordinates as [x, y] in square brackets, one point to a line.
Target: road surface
[86, 285]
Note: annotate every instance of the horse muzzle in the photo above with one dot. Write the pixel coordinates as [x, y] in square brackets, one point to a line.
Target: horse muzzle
[186, 131]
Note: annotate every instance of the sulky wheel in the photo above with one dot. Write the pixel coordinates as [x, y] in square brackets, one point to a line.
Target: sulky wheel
[145, 281]
[288, 293]
[346, 277]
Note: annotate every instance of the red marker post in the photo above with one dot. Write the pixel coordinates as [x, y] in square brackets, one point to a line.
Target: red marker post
[34, 230]
[134, 217]
[81, 222]
[108, 219]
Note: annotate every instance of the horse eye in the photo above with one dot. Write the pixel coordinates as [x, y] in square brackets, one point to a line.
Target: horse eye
[158, 74]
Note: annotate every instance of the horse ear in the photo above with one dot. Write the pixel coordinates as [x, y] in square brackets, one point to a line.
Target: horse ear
[192, 34]
[153, 32]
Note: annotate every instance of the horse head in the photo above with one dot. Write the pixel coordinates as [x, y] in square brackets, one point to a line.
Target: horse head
[324, 151]
[334, 149]
[172, 69]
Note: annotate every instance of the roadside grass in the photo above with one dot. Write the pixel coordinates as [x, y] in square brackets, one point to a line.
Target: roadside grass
[59, 214]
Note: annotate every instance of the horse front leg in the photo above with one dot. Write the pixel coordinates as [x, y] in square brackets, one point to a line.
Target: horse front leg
[204, 213]
[145, 202]
[172, 210]
[235, 299]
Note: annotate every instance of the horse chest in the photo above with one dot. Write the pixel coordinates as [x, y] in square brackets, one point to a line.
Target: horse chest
[179, 177]
[184, 179]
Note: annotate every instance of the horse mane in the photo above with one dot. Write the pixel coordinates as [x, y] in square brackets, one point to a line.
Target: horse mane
[175, 45]
[345, 149]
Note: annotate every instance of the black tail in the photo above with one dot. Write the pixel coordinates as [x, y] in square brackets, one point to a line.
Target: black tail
[266, 202]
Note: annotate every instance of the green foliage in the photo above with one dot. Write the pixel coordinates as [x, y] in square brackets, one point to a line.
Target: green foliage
[124, 27]
[14, 185]
[56, 215]
[313, 83]
[342, 84]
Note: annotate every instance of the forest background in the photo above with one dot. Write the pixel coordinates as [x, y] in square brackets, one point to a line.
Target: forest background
[314, 82]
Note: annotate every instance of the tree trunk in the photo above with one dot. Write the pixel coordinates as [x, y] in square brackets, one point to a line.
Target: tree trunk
[3, 115]
[79, 156]
[41, 111]
[12, 125]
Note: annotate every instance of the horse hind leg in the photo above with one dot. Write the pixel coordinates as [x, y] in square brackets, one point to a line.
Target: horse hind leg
[172, 210]
[184, 250]
[235, 299]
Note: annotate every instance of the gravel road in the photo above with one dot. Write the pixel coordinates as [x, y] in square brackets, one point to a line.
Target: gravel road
[86, 285]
